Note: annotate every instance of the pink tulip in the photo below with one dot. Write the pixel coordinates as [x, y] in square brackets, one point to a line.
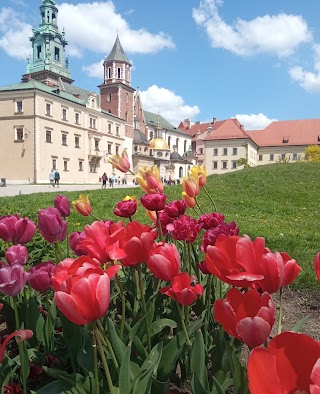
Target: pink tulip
[154, 201]
[164, 261]
[17, 254]
[51, 225]
[39, 276]
[21, 335]
[176, 208]
[74, 239]
[12, 279]
[63, 205]
[15, 229]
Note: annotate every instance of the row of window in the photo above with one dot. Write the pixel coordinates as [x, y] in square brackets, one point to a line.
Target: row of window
[281, 156]
[224, 151]
[66, 164]
[224, 165]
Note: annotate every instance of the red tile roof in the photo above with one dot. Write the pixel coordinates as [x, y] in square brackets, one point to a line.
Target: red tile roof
[288, 132]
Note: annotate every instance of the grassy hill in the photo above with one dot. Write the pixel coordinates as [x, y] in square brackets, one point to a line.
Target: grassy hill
[280, 202]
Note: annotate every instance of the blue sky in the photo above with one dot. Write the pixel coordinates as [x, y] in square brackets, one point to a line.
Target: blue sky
[257, 60]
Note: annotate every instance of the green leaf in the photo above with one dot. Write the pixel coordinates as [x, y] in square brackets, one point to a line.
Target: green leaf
[124, 374]
[197, 386]
[118, 346]
[160, 324]
[300, 323]
[217, 389]
[198, 363]
[159, 387]
[55, 387]
[237, 371]
[85, 353]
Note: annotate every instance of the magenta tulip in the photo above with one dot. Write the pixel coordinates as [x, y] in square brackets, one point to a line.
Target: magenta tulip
[51, 225]
[74, 239]
[12, 279]
[40, 276]
[17, 254]
[176, 208]
[17, 230]
[63, 205]
[154, 201]
[126, 208]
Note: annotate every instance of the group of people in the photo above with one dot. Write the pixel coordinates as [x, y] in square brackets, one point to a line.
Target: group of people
[54, 178]
[112, 180]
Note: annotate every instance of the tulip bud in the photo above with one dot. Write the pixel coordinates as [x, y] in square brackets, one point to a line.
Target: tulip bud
[74, 239]
[51, 225]
[176, 208]
[154, 202]
[40, 276]
[121, 162]
[126, 208]
[82, 205]
[12, 279]
[63, 205]
[164, 261]
[15, 229]
[17, 254]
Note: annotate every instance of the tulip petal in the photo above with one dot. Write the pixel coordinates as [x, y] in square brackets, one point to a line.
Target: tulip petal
[69, 307]
[21, 335]
[254, 331]
[315, 378]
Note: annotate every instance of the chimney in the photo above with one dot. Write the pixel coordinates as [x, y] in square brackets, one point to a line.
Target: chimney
[242, 127]
[214, 120]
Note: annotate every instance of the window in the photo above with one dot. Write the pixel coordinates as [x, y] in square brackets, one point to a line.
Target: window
[271, 157]
[109, 96]
[117, 149]
[65, 165]
[92, 122]
[127, 98]
[57, 54]
[109, 72]
[109, 128]
[260, 157]
[126, 116]
[224, 165]
[64, 114]
[169, 142]
[19, 134]
[117, 130]
[77, 141]
[80, 165]
[39, 52]
[234, 151]
[225, 151]
[96, 144]
[201, 151]
[54, 164]
[77, 118]
[185, 146]
[48, 109]
[64, 139]
[48, 136]
[234, 164]
[19, 107]
[109, 149]
[215, 152]
[294, 156]
[151, 135]
[119, 72]
[177, 144]
[93, 167]
[214, 165]
[283, 156]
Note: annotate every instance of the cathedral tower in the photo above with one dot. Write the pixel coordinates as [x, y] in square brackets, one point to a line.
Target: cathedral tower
[47, 63]
[116, 91]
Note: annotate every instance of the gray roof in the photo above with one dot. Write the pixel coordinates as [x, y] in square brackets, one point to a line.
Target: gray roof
[174, 156]
[152, 120]
[139, 137]
[117, 53]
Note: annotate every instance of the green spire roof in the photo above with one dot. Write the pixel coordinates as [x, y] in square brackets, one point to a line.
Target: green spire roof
[117, 53]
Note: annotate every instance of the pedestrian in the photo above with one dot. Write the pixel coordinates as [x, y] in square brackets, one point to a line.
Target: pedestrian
[119, 179]
[56, 178]
[113, 179]
[51, 178]
[104, 179]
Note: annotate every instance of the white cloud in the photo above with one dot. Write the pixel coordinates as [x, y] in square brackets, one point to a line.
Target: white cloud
[167, 104]
[308, 80]
[14, 34]
[254, 121]
[274, 34]
[94, 26]
[94, 70]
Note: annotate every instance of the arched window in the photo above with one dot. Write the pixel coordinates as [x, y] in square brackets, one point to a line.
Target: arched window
[119, 72]
[109, 72]
[177, 144]
[151, 135]
[169, 141]
[185, 146]
[180, 172]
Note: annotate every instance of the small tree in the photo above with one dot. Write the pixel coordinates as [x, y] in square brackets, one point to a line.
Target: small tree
[312, 153]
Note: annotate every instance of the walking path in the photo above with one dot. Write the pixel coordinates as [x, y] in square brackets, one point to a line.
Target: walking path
[15, 190]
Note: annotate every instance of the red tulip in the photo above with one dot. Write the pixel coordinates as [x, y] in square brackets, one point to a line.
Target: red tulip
[84, 295]
[316, 264]
[290, 364]
[12, 279]
[234, 260]
[182, 291]
[74, 239]
[210, 220]
[137, 243]
[248, 317]
[164, 261]
[17, 254]
[126, 208]
[176, 208]
[82, 205]
[15, 229]
[102, 242]
[40, 276]
[63, 205]
[21, 335]
[60, 273]
[154, 201]
[51, 225]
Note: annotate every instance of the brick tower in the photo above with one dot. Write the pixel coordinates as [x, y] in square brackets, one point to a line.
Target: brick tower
[116, 91]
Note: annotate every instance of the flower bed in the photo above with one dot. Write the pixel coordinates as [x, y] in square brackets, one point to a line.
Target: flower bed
[132, 308]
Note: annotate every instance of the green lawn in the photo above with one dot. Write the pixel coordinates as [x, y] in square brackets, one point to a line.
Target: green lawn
[279, 202]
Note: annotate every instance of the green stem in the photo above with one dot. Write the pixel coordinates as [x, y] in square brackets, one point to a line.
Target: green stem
[24, 370]
[107, 344]
[59, 250]
[144, 305]
[208, 194]
[49, 331]
[159, 226]
[183, 324]
[198, 205]
[280, 312]
[123, 306]
[95, 362]
[95, 217]
[103, 358]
